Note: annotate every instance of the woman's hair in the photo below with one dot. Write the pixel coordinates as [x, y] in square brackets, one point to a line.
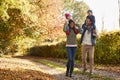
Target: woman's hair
[71, 21]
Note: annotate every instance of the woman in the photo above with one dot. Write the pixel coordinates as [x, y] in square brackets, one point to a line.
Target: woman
[71, 31]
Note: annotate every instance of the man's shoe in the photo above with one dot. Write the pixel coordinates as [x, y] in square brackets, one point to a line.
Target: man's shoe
[91, 73]
[85, 69]
[70, 75]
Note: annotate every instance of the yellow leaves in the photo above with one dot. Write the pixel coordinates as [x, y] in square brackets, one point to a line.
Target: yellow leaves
[35, 19]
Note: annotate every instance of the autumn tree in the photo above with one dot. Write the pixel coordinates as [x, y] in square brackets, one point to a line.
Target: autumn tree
[27, 23]
[25, 20]
[78, 9]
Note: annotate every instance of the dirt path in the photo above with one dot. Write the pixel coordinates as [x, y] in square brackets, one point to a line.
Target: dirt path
[16, 64]
[109, 74]
[26, 69]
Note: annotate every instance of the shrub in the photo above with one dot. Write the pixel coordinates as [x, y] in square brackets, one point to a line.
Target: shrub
[23, 44]
[107, 50]
[55, 51]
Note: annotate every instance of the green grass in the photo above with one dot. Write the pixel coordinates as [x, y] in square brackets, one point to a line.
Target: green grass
[65, 60]
[52, 64]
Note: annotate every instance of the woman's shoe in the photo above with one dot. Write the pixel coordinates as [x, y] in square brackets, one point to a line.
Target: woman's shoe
[67, 73]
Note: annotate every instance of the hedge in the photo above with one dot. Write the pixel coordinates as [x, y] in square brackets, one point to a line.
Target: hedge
[107, 50]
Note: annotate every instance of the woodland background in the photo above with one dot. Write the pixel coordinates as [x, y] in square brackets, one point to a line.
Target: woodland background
[35, 27]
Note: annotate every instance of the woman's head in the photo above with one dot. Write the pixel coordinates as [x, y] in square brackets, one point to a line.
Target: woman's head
[71, 24]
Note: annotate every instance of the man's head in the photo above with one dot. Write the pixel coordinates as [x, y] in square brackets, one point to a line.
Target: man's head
[88, 21]
[67, 16]
[89, 12]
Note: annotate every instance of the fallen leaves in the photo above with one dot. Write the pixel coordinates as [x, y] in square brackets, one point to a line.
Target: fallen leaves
[21, 69]
[7, 74]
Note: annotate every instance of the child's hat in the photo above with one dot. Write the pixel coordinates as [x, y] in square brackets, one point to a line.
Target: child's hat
[67, 15]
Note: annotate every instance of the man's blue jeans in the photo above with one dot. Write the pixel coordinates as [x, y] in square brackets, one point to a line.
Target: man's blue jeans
[71, 51]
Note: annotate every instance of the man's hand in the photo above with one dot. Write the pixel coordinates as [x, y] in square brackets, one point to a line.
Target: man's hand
[94, 31]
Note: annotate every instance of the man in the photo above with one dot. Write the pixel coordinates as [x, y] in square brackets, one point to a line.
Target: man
[88, 41]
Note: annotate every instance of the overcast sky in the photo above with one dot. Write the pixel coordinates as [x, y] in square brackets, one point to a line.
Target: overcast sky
[107, 10]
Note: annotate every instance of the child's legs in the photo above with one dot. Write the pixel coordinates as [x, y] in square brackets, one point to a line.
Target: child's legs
[84, 55]
[94, 26]
[91, 57]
